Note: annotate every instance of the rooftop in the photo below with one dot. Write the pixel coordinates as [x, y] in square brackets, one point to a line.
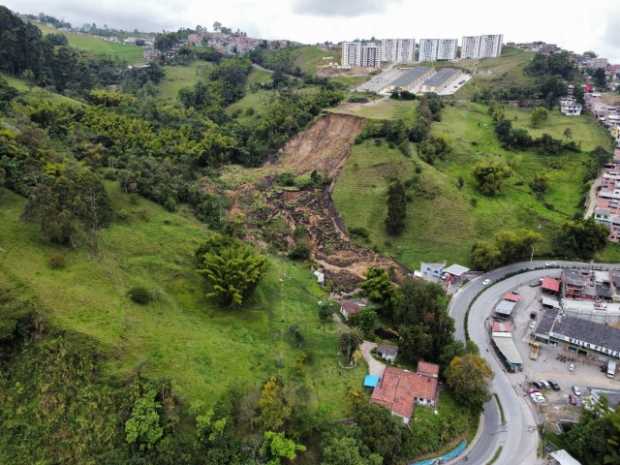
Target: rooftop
[387, 349]
[511, 297]
[564, 458]
[507, 347]
[428, 369]
[456, 270]
[587, 331]
[505, 307]
[551, 284]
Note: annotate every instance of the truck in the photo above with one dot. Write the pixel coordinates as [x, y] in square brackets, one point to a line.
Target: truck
[534, 350]
[611, 369]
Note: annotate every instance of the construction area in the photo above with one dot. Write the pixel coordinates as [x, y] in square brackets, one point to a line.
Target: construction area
[417, 80]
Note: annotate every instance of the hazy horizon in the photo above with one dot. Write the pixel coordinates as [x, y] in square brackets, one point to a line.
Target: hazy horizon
[311, 21]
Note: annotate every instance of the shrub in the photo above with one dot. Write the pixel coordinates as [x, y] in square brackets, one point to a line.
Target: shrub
[359, 232]
[56, 262]
[140, 295]
[301, 251]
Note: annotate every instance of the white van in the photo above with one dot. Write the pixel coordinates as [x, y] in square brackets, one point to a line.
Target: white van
[611, 369]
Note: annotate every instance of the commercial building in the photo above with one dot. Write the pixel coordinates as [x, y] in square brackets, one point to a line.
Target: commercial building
[579, 335]
[437, 49]
[400, 51]
[485, 46]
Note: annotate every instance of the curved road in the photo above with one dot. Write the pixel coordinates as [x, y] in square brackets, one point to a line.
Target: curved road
[517, 437]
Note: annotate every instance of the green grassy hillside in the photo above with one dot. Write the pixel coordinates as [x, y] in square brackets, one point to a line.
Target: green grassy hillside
[496, 73]
[96, 46]
[177, 77]
[182, 336]
[444, 221]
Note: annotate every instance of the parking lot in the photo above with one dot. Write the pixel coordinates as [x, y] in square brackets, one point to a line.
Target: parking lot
[553, 364]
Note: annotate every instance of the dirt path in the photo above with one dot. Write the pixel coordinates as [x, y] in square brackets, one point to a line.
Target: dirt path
[375, 367]
[325, 147]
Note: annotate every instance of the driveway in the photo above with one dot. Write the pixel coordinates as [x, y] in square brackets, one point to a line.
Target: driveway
[375, 367]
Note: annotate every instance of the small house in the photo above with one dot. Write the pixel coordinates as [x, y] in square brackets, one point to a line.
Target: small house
[432, 270]
[388, 352]
[349, 308]
[551, 286]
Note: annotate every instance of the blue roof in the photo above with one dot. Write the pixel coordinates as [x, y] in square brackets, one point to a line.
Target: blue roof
[371, 380]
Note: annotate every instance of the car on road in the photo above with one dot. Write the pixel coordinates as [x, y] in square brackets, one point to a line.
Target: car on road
[486, 282]
[555, 386]
[535, 283]
[571, 367]
[577, 391]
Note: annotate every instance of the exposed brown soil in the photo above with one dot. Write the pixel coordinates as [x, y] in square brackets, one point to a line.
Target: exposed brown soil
[273, 214]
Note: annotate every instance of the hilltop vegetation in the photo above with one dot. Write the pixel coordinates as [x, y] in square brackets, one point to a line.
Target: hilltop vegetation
[95, 46]
[446, 213]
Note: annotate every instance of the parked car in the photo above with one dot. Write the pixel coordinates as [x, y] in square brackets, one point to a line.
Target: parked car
[537, 397]
[571, 367]
[545, 384]
[572, 399]
[577, 391]
[486, 282]
[532, 325]
[555, 386]
[536, 384]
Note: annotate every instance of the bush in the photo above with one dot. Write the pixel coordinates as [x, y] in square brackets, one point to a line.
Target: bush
[301, 251]
[56, 262]
[140, 295]
[360, 232]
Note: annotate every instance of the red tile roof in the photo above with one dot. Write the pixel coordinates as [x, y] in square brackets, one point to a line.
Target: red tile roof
[428, 369]
[351, 307]
[512, 297]
[399, 389]
[551, 285]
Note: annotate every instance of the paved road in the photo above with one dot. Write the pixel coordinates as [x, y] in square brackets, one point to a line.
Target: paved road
[519, 443]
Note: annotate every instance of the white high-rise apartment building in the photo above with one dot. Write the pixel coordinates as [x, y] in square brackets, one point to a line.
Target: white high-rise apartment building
[398, 50]
[356, 54]
[447, 48]
[437, 49]
[405, 51]
[351, 53]
[370, 56]
[428, 50]
[477, 47]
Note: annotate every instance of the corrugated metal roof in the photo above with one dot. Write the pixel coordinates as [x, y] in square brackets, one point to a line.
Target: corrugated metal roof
[564, 458]
[508, 349]
[505, 307]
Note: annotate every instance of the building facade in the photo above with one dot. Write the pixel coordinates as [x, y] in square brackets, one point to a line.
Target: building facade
[485, 46]
[398, 50]
[428, 50]
[358, 54]
[447, 48]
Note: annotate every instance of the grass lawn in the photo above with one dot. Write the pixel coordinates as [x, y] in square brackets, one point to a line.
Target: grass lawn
[309, 58]
[584, 129]
[37, 93]
[182, 336]
[380, 109]
[350, 81]
[178, 77]
[258, 76]
[504, 71]
[96, 46]
[444, 221]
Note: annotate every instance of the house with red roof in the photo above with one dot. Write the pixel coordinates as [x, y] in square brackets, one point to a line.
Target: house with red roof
[349, 307]
[401, 390]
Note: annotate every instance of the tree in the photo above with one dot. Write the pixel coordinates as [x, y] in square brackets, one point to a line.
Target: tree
[397, 208]
[539, 185]
[345, 450]
[600, 78]
[277, 447]
[380, 431]
[538, 117]
[468, 377]
[379, 289]
[490, 175]
[232, 272]
[485, 255]
[143, 427]
[580, 239]
[67, 201]
[366, 320]
[273, 406]
[349, 343]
